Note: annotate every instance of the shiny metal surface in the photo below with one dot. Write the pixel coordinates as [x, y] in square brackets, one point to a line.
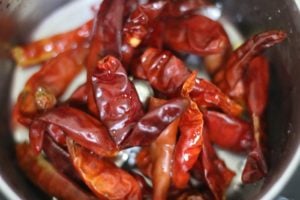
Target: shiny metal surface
[249, 16]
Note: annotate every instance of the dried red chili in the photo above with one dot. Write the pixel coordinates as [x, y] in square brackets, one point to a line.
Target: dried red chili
[138, 26]
[144, 161]
[150, 126]
[217, 175]
[117, 100]
[50, 82]
[161, 151]
[84, 129]
[197, 34]
[228, 132]
[163, 70]
[257, 84]
[46, 177]
[44, 49]
[105, 179]
[106, 39]
[230, 78]
[189, 144]
[60, 159]
[166, 73]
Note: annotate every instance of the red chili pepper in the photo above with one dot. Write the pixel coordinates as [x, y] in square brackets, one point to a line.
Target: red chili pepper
[117, 100]
[44, 49]
[79, 96]
[106, 36]
[49, 83]
[228, 132]
[150, 126]
[230, 78]
[166, 73]
[42, 174]
[106, 39]
[60, 159]
[217, 175]
[81, 127]
[257, 84]
[105, 179]
[138, 26]
[57, 134]
[144, 161]
[256, 167]
[207, 95]
[189, 144]
[161, 151]
[154, 38]
[197, 34]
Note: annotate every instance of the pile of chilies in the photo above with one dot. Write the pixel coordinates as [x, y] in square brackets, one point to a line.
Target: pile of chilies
[82, 136]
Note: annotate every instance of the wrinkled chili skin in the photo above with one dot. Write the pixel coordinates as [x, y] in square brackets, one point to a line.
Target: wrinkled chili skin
[257, 84]
[197, 34]
[106, 36]
[217, 175]
[84, 129]
[105, 179]
[229, 79]
[149, 127]
[256, 167]
[106, 39]
[43, 175]
[117, 100]
[53, 78]
[79, 96]
[164, 71]
[162, 154]
[144, 161]
[208, 95]
[161, 151]
[36, 135]
[228, 132]
[60, 159]
[38, 51]
[138, 26]
[247, 83]
[188, 146]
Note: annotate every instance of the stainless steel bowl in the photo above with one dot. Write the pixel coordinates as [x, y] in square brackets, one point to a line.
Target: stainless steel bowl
[19, 17]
